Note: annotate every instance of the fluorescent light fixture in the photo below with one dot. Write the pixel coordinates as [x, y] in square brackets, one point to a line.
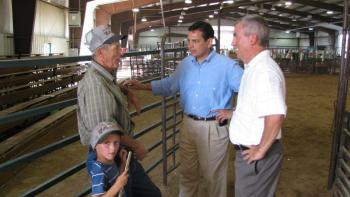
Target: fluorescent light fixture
[135, 10]
[287, 32]
[229, 2]
[211, 16]
[311, 28]
[181, 17]
[288, 3]
[216, 3]
[188, 1]
[179, 21]
[152, 29]
[185, 8]
[144, 19]
[330, 12]
[216, 12]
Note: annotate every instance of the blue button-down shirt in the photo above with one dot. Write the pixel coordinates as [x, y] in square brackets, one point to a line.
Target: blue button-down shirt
[203, 87]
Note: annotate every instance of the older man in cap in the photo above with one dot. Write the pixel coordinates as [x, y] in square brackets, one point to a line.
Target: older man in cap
[100, 99]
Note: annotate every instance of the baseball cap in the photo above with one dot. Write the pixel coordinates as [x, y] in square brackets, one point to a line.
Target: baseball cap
[102, 130]
[101, 35]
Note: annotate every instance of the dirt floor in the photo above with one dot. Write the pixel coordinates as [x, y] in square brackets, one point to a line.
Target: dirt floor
[306, 138]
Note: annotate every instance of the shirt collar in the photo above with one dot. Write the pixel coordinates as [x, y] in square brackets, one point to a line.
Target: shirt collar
[257, 58]
[207, 59]
[102, 71]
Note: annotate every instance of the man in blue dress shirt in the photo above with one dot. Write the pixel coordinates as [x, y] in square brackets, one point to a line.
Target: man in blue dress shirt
[207, 82]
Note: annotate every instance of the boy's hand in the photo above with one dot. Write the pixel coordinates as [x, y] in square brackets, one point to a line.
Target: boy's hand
[122, 155]
[122, 179]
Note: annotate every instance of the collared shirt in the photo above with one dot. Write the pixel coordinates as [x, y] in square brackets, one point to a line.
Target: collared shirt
[262, 93]
[203, 87]
[100, 100]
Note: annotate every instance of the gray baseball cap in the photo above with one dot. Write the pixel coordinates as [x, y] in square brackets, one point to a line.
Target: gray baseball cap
[101, 35]
[102, 130]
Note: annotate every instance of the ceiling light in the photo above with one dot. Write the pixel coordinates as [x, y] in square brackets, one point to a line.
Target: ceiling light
[135, 10]
[311, 28]
[279, 4]
[144, 19]
[181, 17]
[216, 3]
[329, 12]
[211, 16]
[294, 19]
[179, 21]
[152, 29]
[188, 1]
[185, 8]
[287, 32]
[183, 13]
[273, 8]
[229, 2]
[288, 3]
[216, 12]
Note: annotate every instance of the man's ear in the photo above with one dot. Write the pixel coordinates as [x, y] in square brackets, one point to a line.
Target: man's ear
[210, 42]
[253, 39]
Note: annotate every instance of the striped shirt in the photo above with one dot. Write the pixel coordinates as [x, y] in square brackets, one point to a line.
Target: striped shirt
[103, 176]
[100, 100]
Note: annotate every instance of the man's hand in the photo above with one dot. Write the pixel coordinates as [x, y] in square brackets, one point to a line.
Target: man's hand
[136, 85]
[223, 114]
[139, 150]
[253, 154]
[132, 101]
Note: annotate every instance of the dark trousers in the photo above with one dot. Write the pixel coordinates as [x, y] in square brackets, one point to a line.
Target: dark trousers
[260, 178]
[139, 184]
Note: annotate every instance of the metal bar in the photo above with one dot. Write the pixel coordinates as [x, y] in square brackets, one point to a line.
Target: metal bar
[173, 168]
[345, 167]
[44, 186]
[157, 163]
[163, 128]
[149, 107]
[342, 187]
[347, 132]
[84, 193]
[345, 152]
[40, 152]
[155, 125]
[36, 111]
[344, 177]
[174, 128]
[30, 62]
[155, 145]
[341, 100]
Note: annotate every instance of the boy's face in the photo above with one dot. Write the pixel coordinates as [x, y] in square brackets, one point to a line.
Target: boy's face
[108, 148]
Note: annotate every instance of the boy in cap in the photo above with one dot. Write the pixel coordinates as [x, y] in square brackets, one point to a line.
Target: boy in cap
[107, 177]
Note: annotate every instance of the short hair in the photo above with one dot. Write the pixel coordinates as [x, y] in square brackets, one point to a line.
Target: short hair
[206, 29]
[255, 24]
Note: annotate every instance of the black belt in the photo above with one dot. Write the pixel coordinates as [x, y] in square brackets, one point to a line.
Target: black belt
[194, 117]
[243, 148]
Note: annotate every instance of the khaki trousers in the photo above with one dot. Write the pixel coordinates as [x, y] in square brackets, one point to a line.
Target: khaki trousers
[204, 158]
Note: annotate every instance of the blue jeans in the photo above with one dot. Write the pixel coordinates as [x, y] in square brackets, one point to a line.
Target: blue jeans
[139, 184]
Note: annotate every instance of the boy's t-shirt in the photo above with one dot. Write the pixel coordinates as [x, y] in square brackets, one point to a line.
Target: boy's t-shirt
[102, 176]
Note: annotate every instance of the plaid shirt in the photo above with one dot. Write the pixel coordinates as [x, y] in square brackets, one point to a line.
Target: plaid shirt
[100, 100]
